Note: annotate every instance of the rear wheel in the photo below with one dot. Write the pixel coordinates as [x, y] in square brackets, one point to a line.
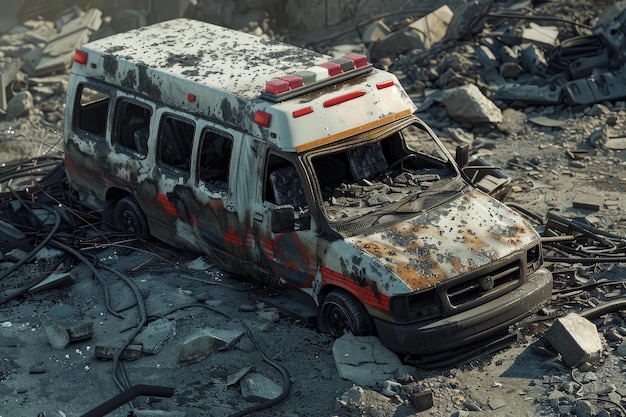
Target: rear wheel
[129, 217]
[341, 312]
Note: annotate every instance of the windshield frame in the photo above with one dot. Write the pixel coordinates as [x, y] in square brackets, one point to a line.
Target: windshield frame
[454, 181]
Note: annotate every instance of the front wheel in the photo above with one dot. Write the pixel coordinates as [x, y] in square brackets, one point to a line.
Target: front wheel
[341, 312]
[129, 218]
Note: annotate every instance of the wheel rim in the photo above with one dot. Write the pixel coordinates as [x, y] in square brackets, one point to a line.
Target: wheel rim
[337, 320]
[128, 221]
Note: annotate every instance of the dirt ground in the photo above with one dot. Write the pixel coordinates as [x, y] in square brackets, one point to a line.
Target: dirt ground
[555, 170]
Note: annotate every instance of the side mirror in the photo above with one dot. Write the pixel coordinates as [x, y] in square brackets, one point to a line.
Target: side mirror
[283, 219]
[462, 155]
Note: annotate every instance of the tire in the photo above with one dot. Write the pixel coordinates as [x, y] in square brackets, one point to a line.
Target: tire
[341, 312]
[130, 219]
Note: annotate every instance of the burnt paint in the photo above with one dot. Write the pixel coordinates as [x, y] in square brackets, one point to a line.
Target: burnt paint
[145, 84]
[110, 64]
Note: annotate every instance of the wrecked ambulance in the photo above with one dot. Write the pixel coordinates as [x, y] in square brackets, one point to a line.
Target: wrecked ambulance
[300, 171]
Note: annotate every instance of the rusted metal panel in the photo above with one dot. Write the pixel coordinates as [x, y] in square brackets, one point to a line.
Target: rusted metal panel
[456, 238]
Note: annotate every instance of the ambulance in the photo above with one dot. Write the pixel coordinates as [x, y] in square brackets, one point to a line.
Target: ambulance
[304, 172]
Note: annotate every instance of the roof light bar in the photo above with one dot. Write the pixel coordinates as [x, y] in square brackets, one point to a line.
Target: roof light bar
[317, 76]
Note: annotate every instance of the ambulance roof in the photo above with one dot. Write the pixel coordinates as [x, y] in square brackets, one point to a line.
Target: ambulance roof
[232, 77]
[207, 54]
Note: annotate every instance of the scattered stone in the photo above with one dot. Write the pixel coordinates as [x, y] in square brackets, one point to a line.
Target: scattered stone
[53, 281]
[21, 104]
[155, 334]
[577, 164]
[270, 315]
[82, 331]
[232, 379]
[576, 339]
[16, 255]
[391, 389]
[468, 104]
[513, 122]
[130, 352]
[422, 400]
[199, 264]
[364, 360]
[206, 341]
[258, 388]
[58, 336]
[247, 308]
[583, 408]
[587, 203]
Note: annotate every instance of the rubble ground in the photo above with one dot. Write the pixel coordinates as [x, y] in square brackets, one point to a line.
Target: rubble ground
[115, 311]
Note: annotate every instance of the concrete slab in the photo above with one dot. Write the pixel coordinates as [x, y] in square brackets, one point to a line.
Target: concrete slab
[258, 388]
[364, 360]
[153, 336]
[206, 341]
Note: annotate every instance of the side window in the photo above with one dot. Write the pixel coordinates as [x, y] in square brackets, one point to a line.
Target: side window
[175, 142]
[91, 111]
[283, 185]
[215, 152]
[132, 125]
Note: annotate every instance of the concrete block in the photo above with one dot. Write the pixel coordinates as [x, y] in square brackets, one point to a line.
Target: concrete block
[422, 400]
[364, 360]
[576, 339]
[153, 336]
[256, 387]
[206, 341]
[468, 104]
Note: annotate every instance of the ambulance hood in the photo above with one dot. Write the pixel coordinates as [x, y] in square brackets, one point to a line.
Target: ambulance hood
[454, 238]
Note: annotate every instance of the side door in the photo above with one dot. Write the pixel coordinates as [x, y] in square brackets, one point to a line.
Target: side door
[219, 223]
[174, 146]
[285, 232]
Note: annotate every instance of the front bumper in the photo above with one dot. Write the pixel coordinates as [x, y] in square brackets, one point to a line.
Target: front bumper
[452, 332]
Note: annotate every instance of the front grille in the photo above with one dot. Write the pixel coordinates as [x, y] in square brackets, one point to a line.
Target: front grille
[489, 284]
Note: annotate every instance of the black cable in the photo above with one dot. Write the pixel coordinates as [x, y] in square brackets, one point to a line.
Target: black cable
[286, 382]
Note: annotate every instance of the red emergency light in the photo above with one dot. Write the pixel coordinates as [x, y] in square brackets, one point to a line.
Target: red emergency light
[81, 57]
[262, 118]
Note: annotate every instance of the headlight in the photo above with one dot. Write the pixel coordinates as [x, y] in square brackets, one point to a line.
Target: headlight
[416, 306]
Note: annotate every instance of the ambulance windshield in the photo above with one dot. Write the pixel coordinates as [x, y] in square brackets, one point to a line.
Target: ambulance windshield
[404, 171]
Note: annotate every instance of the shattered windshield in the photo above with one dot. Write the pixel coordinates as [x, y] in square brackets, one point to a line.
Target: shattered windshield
[405, 170]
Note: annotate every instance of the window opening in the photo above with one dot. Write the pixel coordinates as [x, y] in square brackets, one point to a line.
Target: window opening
[92, 111]
[175, 142]
[215, 152]
[133, 126]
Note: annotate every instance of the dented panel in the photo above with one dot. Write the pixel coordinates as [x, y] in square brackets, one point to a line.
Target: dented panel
[454, 239]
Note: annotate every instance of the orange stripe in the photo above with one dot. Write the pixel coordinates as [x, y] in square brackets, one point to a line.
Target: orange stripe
[167, 204]
[365, 294]
[353, 131]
